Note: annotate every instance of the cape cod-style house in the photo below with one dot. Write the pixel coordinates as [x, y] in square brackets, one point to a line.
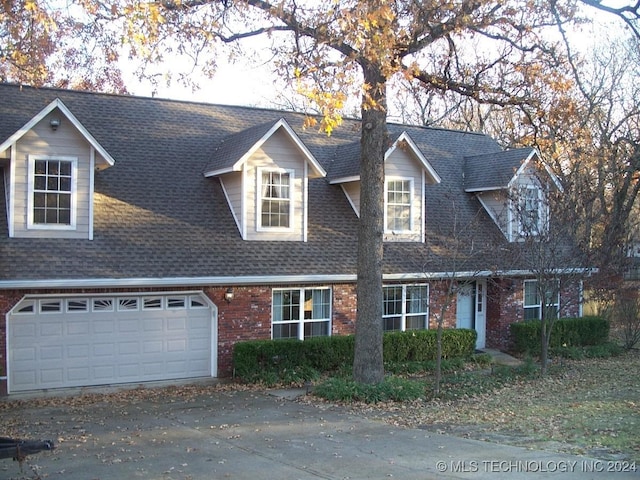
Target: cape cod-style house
[141, 238]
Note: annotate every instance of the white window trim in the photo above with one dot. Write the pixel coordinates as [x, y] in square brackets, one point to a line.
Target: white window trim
[404, 314]
[260, 171]
[386, 203]
[302, 321]
[31, 187]
[540, 300]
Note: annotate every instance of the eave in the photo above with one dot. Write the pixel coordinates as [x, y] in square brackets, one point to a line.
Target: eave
[175, 282]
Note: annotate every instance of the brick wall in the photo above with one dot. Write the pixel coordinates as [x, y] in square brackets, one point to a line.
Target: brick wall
[439, 298]
[504, 306]
[246, 317]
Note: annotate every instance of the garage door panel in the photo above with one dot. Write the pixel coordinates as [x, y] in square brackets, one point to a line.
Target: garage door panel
[78, 374]
[51, 376]
[104, 372]
[78, 327]
[128, 348]
[51, 328]
[25, 354]
[102, 344]
[78, 352]
[103, 326]
[51, 353]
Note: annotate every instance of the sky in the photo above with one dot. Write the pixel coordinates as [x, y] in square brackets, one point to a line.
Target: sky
[250, 81]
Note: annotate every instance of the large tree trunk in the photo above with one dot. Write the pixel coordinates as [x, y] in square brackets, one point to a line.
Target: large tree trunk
[368, 363]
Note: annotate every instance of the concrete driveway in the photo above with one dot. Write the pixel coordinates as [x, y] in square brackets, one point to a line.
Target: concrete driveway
[212, 433]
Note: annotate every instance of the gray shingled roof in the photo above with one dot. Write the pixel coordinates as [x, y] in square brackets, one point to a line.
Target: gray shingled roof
[493, 171]
[156, 216]
[236, 145]
[346, 162]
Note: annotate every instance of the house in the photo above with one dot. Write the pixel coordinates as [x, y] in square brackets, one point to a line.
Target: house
[142, 238]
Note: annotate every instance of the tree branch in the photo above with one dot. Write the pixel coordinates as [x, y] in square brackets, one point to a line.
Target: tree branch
[630, 14]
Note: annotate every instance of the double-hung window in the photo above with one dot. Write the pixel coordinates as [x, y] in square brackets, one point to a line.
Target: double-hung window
[531, 211]
[398, 197]
[301, 313]
[52, 190]
[275, 203]
[405, 307]
[533, 300]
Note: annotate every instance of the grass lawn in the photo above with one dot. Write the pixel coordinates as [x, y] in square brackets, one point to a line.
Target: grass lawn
[589, 407]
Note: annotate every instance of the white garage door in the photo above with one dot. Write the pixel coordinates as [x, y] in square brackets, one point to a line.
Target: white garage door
[83, 341]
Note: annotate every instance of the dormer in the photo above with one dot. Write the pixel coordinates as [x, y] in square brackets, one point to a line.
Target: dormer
[264, 172]
[513, 186]
[49, 176]
[407, 174]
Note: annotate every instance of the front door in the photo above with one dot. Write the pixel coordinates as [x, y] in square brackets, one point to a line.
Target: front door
[471, 306]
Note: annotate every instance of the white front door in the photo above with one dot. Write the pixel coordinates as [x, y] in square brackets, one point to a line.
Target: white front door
[471, 306]
[480, 323]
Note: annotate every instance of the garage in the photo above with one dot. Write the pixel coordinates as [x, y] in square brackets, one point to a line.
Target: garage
[77, 341]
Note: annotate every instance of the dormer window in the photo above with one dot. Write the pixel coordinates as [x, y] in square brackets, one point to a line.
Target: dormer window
[275, 206]
[531, 211]
[52, 190]
[399, 195]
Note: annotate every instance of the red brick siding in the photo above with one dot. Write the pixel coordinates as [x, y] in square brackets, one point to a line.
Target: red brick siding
[246, 317]
[439, 298]
[504, 306]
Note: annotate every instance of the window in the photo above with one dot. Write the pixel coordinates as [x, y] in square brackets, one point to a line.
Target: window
[275, 198]
[530, 211]
[398, 205]
[405, 307]
[77, 305]
[152, 303]
[49, 306]
[102, 305]
[301, 313]
[127, 303]
[52, 186]
[532, 301]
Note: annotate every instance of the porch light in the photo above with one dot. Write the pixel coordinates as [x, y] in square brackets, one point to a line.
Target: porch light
[228, 295]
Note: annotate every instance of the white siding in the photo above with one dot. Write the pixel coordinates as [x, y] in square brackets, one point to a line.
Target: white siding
[232, 186]
[401, 165]
[65, 142]
[496, 204]
[280, 152]
[352, 191]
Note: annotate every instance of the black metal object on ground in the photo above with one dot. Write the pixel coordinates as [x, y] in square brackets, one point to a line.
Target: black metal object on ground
[18, 449]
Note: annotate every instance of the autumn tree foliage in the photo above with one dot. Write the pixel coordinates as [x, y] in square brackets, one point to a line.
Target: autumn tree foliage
[328, 50]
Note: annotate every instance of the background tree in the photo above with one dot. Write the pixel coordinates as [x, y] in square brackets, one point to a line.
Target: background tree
[332, 48]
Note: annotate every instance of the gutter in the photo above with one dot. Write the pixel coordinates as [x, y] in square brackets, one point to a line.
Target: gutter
[262, 280]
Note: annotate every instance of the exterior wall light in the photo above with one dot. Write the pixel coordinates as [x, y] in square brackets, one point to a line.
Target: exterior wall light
[228, 295]
[55, 123]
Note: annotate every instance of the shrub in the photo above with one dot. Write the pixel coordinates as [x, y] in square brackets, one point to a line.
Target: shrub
[293, 361]
[567, 332]
[390, 389]
[420, 345]
[624, 316]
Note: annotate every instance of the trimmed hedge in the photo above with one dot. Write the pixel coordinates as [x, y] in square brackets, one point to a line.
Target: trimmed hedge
[291, 360]
[567, 332]
[420, 345]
